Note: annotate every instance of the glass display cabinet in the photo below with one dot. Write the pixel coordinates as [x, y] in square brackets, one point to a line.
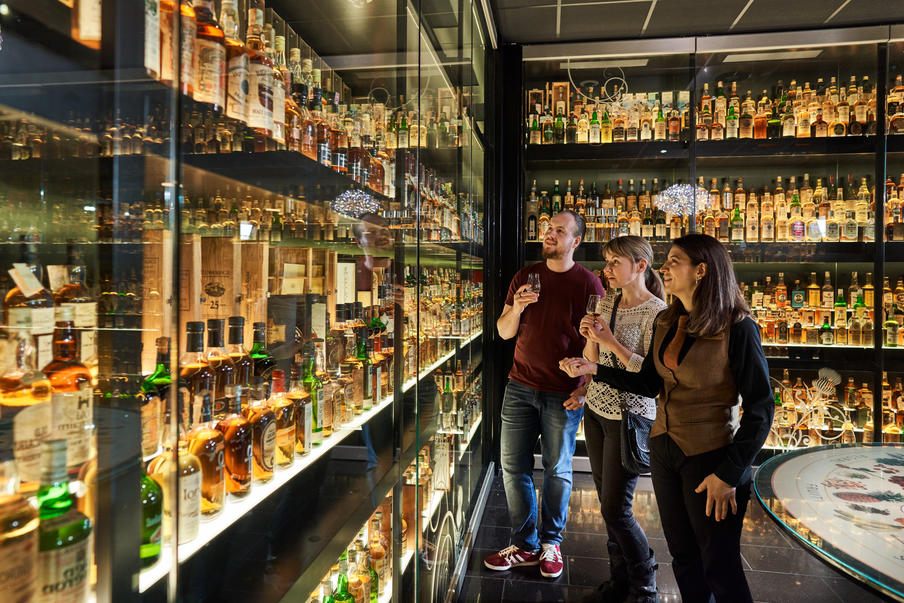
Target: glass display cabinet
[244, 296]
[771, 143]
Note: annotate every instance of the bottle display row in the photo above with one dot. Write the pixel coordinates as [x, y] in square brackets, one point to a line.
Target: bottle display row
[430, 209]
[778, 212]
[563, 114]
[363, 572]
[828, 407]
[814, 314]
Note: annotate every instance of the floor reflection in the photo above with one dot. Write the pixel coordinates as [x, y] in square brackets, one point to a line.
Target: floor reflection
[778, 570]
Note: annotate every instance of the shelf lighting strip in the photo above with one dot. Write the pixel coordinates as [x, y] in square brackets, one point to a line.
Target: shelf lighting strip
[234, 510]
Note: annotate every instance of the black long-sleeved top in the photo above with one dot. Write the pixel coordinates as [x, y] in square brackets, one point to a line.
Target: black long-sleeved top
[751, 374]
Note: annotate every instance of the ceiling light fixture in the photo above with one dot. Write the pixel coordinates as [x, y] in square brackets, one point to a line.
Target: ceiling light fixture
[781, 55]
[360, 3]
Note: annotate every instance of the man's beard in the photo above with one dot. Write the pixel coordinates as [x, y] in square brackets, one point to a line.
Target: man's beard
[552, 254]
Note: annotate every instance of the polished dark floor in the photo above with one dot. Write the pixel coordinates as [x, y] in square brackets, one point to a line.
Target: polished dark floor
[778, 570]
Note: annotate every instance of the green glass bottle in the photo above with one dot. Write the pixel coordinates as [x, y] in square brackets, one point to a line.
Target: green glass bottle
[151, 520]
[312, 384]
[326, 591]
[65, 533]
[342, 594]
[367, 369]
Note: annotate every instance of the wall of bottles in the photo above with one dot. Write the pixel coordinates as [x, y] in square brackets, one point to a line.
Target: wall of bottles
[635, 153]
[248, 330]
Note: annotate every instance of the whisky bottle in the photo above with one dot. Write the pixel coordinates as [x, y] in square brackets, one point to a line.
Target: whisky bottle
[65, 534]
[207, 444]
[154, 397]
[367, 575]
[18, 544]
[342, 593]
[190, 494]
[210, 57]
[367, 369]
[263, 428]
[241, 359]
[239, 454]
[76, 294]
[284, 409]
[219, 361]
[237, 64]
[72, 395]
[151, 520]
[263, 361]
[196, 379]
[29, 292]
[185, 47]
[25, 401]
[314, 387]
[301, 400]
[260, 79]
[328, 388]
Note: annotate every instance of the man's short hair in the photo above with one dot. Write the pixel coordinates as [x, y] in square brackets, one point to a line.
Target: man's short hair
[579, 225]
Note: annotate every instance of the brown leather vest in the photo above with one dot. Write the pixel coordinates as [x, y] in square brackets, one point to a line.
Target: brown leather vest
[698, 405]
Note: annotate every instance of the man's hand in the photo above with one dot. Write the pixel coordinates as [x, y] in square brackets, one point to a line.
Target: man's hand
[719, 495]
[575, 367]
[523, 298]
[576, 400]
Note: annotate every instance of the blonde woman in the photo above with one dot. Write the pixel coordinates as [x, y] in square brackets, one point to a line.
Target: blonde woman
[629, 268]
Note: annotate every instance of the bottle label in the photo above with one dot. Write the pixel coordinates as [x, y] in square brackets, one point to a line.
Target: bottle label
[189, 506]
[166, 47]
[210, 74]
[73, 421]
[152, 36]
[260, 99]
[268, 447]
[279, 107]
[237, 87]
[31, 427]
[19, 567]
[89, 27]
[327, 404]
[150, 425]
[308, 421]
[828, 299]
[64, 572]
[187, 49]
[85, 320]
[285, 437]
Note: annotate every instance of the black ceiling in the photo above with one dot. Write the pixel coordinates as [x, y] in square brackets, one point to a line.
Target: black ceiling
[537, 21]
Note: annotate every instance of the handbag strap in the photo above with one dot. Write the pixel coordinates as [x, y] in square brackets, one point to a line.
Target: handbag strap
[612, 357]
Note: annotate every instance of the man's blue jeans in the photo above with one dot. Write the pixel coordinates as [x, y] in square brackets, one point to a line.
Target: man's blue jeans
[527, 414]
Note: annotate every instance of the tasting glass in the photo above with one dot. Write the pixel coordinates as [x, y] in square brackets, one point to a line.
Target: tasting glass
[533, 279]
[595, 304]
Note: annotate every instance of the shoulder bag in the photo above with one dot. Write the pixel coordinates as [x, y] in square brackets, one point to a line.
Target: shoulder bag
[635, 428]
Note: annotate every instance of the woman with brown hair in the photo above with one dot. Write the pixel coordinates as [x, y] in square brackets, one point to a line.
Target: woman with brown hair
[629, 268]
[706, 353]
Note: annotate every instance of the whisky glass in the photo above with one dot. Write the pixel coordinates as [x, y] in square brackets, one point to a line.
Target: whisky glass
[595, 304]
[533, 279]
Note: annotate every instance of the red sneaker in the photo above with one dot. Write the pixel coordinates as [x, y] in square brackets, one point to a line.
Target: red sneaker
[509, 557]
[551, 561]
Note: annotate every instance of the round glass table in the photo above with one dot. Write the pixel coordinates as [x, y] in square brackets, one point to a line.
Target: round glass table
[845, 503]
